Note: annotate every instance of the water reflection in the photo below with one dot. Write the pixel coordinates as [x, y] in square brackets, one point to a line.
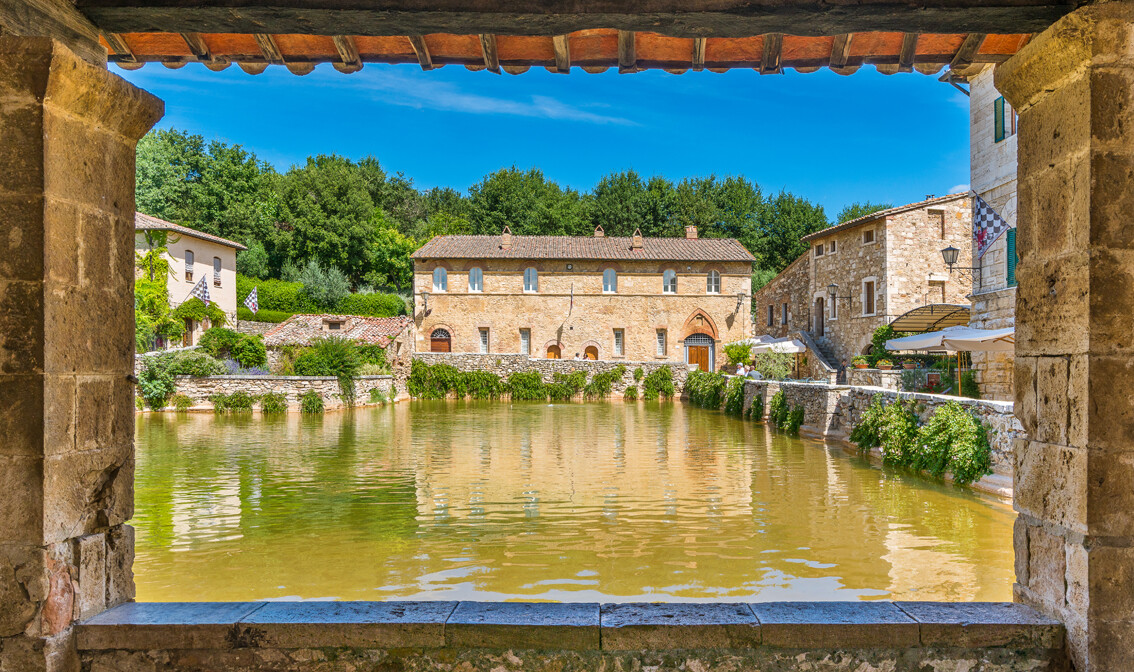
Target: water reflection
[445, 500]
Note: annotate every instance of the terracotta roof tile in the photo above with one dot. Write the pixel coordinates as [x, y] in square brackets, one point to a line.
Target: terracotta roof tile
[303, 329]
[584, 247]
[149, 223]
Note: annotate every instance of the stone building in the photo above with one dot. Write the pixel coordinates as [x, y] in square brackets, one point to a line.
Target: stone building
[992, 142]
[882, 265]
[193, 255]
[392, 334]
[609, 298]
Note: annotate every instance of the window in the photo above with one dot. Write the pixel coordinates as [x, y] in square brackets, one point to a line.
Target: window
[483, 341]
[1003, 120]
[661, 342]
[669, 282]
[831, 247]
[868, 297]
[476, 280]
[819, 250]
[618, 335]
[1012, 257]
[783, 313]
[216, 271]
[609, 281]
[440, 280]
[713, 283]
[188, 265]
[525, 341]
[833, 309]
[868, 236]
[937, 221]
[332, 325]
[771, 314]
[531, 280]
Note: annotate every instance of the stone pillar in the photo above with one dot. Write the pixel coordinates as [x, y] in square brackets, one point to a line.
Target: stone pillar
[1073, 87]
[68, 131]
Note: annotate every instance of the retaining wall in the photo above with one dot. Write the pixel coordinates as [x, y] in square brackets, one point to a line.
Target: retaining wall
[249, 327]
[199, 389]
[889, 380]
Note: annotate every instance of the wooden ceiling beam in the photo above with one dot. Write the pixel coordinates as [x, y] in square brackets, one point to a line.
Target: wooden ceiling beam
[773, 50]
[349, 59]
[627, 52]
[201, 52]
[269, 48]
[699, 53]
[562, 54]
[840, 50]
[908, 52]
[968, 51]
[120, 48]
[422, 51]
[488, 50]
[57, 19]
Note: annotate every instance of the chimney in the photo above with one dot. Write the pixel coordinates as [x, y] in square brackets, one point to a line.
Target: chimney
[637, 244]
[930, 197]
[506, 239]
[599, 233]
[691, 232]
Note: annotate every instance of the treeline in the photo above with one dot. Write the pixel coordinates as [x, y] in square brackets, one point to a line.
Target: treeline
[365, 221]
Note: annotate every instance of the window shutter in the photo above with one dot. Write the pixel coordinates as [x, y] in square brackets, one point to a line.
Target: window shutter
[998, 118]
[1012, 259]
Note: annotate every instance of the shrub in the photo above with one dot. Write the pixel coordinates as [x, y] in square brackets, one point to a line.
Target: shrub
[373, 370]
[240, 401]
[778, 409]
[139, 403]
[602, 384]
[756, 410]
[326, 287]
[156, 381]
[196, 363]
[233, 368]
[953, 440]
[734, 397]
[220, 402]
[311, 402]
[431, 381]
[969, 386]
[372, 354]
[793, 421]
[565, 386]
[738, 353]
[377, 396]
[479, 385]
[371, 305]
[247, 349]
[273, 402]
[706, 388]
[630, 393]
[638, 374]
[898, 433]
[275, 316]
[275, 295]
[196, 310]
[659, 383]
[774, 365]
[868, 433]
[332, 356]
[181, 402]
[526, 386]
[913, 380]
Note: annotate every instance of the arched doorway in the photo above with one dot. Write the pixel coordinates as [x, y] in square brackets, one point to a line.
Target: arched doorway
[819, 317]
[591, 352]
[699, 350]
[440, 341]
[554, 351]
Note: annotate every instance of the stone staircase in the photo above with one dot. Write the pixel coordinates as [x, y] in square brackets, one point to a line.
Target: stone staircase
[827, 350]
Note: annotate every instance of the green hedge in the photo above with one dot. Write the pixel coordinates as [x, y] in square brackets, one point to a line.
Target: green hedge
[277, 297]
[372, 305]
[273, 316]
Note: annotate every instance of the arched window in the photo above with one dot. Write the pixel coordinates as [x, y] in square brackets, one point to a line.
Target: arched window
[669, 282]
[440, 280]
[531, 280]
[216, 271]
[609, 281]
[713, 283]
[188, 265]
[476, 280]
[440, 341]
[590, 352]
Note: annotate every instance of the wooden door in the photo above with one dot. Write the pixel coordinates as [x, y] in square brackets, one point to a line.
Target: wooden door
[820, 318]
[699, 355]
[553, 352]
[590, 353]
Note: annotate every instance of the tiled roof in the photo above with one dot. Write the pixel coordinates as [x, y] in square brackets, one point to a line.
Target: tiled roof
[149, 223]
[584, 247]
[303, 329]
[851, 223]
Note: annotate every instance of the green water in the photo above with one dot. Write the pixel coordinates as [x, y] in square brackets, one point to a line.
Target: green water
[571, 502]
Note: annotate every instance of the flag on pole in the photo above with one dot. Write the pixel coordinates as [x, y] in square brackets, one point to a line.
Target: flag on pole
[988, 225]
[201, 291]
[252, 301]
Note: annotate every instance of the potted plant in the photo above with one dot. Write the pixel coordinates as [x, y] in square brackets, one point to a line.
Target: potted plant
[859, 362]
[909, 364]
[885, 364]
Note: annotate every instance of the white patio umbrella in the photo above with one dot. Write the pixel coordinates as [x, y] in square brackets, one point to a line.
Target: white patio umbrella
[756, 340]
[956, 339]
[783, 345]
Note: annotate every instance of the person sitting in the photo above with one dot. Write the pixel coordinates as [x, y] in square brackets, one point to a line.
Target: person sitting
[754, 374]
[740, 369]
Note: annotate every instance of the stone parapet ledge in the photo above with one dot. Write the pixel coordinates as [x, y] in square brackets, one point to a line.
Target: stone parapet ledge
[890, 626]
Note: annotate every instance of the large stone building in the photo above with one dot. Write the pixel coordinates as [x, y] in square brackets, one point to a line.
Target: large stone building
[628, 298]
[882, 265]
[992, 142]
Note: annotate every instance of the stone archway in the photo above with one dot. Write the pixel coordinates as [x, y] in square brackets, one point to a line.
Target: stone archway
[699, 322]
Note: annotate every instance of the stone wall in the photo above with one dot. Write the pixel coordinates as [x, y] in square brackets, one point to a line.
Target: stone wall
[994, 370]
[887, 380]
[199, 389]
[572, 637]
[792, 287]
[505, 365]
[250, 327]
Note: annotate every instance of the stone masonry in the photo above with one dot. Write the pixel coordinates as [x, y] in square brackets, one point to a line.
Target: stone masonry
[66, 333]
[199, 389]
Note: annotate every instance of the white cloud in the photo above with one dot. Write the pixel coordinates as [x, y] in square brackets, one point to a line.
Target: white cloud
[959, 188]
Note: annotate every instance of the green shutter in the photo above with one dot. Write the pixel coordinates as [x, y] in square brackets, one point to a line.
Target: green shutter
[998, 118]
[1012, 259]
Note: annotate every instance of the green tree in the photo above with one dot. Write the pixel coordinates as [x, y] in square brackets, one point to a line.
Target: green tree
[856, 210]
[526, 202]
[785, 221]
[623, 202]
[253, 262]
[392, 266]
[325, 286]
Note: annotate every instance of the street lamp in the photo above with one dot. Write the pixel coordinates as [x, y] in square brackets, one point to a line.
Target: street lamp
[833, 292]
[949, 255]
[424, 303]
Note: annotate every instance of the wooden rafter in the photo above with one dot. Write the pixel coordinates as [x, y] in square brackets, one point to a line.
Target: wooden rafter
[909, 50]
[488, 50]
[840, 50]
[120, 48]
[627, 54]
[773, 49]
[349, 59]
[422, 51]
[201, 52]
[562, 54]
[699, 53]
[968, 51]
[269, 48]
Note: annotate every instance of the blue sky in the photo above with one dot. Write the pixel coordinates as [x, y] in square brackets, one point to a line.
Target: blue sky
[830, 138]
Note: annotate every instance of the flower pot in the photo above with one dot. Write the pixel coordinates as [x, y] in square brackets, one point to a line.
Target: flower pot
[882, 367]
[860, 366]
[909, 366]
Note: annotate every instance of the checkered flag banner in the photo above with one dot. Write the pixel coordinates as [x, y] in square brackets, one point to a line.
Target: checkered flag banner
[252, 301]
[201, 291]
[987, 225]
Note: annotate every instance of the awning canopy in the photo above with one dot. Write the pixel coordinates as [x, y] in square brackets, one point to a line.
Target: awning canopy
[781, 345]
[957, 339]
[932, 317]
